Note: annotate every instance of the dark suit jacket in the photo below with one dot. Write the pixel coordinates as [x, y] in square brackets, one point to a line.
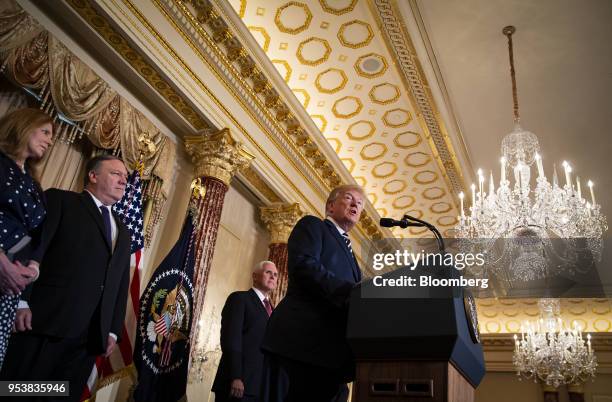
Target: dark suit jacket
[243, 323]
[82, 284]
[309, 324]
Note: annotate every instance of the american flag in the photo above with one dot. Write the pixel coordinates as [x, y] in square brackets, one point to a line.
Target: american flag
[130, 211]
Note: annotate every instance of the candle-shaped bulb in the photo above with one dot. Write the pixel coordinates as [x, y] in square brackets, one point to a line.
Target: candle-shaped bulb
[491, 184]
[590, 184]
[461, 196]
[473, 194]
[578, 187]
[503, 168]
[538, 159]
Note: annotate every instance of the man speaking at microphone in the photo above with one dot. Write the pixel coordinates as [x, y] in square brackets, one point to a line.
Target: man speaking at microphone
[306, 335]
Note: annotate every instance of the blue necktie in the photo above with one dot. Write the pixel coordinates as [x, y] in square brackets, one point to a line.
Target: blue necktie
[107, 224]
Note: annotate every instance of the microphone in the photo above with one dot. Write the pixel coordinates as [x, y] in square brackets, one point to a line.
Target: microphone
[429, 226]
[390, 222]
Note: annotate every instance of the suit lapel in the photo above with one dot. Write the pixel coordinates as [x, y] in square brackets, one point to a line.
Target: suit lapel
[258, 304]
[96, 215]
[334, 231]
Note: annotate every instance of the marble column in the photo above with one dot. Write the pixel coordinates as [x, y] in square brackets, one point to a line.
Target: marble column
[216, 158]
[280, 220]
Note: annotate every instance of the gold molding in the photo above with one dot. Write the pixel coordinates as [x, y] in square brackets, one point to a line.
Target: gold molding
[354, 45]
[348, 115]
[421, 181]
[396, 140]
[288, 69]
[387, 123]
[337, 11]
[321, 168]
[396, 37]
[320, 88]
[373, 98]
[280, 220]
[292, 31]
[261, 30]
[366, 157]
[217, 155]
[366, 74]
[429, 197]
[411, 164]
[138, 62]
[402, 188]
[411, 201]
[318, 61]
[360, 138]
[259, 184]
[381, 175]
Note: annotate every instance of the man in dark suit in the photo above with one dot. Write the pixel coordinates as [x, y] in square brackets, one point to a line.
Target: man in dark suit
[75, 310]
[305, 339]
[243, 323]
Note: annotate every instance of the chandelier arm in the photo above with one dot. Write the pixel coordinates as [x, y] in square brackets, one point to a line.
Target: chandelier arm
[508, 31]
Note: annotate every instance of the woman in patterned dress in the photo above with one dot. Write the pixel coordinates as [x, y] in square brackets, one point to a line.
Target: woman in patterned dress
[25, 136]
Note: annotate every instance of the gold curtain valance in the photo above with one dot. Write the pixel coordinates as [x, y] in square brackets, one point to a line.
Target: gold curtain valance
[35, 59]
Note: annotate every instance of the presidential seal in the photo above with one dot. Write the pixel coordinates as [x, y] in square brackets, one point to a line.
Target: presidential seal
[165, 320]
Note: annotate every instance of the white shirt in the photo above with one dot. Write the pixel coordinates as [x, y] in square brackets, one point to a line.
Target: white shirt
[112, 218]
[261, 296]
[340, 230]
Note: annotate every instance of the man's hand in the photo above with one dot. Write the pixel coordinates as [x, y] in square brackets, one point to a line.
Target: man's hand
[237, 388]
[23, 319]
[110, 346]
[12, 279]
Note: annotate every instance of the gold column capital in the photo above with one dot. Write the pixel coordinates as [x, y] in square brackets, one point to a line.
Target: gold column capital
[217, 155]
[280, 220]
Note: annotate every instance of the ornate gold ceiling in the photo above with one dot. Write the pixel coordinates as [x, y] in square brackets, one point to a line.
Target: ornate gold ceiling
[333, 56]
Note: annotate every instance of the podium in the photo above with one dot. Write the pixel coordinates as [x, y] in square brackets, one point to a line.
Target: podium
[413, 349]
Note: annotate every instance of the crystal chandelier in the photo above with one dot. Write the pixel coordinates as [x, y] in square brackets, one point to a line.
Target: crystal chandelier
[529, 218]
[552, 352]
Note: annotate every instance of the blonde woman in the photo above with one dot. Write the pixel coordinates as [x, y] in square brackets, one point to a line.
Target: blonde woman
[25, 137]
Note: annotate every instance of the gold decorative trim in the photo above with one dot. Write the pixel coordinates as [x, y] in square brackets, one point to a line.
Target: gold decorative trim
[367, 74]
[322, 120]
[260, 185]
[264, 33]
[360, 138]
[412, 164]
[138, 63]
[383, 175]
[315, 62]
[386, 122]
[422, 181]
[293, 31]
[344, 80]
[398, 41]
[280, 220]
[306, 101]
[400, 205]
[452, 222]
[288, 69]
[426, 192]
[402, 187]
[367, 157]
[355, 112]
[217, 155]
[321, 168]
[444, 207]
[349, 163]
[398, 143]
[355, 45]
[337, 11]
[373, 98]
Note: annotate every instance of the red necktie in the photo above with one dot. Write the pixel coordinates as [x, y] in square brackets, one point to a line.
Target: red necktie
[268, 306]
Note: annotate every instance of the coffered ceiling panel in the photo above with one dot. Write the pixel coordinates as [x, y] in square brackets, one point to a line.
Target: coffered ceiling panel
[333, 56]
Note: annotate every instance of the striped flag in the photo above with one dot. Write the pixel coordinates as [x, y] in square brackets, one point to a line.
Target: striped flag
[130, 211]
